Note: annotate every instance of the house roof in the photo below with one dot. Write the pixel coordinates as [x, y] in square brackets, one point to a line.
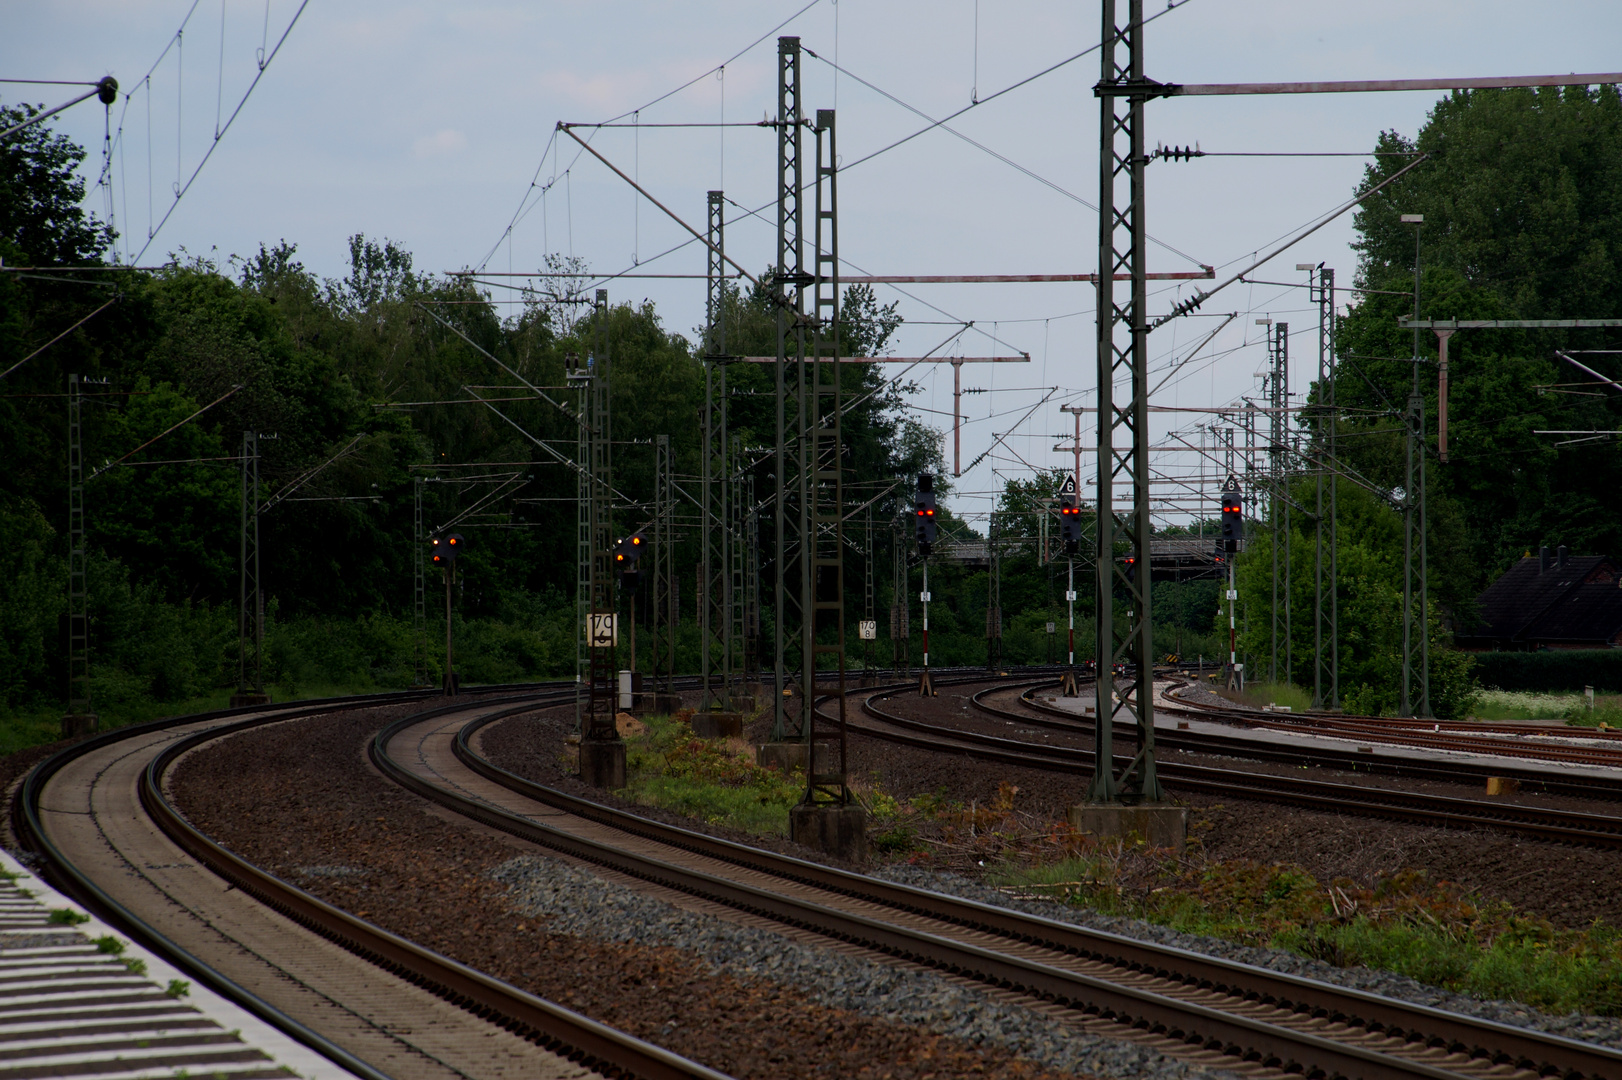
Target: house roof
[1580, 601]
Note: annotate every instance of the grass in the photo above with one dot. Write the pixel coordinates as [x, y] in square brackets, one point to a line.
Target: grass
[714, 780]
[1513, 705]
[1259, 694]
[1402, 922]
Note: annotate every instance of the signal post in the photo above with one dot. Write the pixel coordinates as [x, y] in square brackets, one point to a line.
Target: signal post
[1070, 531]
[446, 549]
[924, 504]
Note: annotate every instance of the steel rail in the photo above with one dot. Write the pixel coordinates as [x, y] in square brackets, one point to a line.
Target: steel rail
[560, 1030]
[1047, 716]
[554, 1028]
[1557, 825]
[71, 880]
[1409, 734]
[1525, 1048]
[1192, 1023]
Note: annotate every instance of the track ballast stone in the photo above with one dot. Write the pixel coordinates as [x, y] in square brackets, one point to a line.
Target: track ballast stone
[1603, 1030]
[579, 903]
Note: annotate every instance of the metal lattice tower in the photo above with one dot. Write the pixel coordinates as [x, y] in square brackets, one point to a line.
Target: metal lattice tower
[1415, 654]
[716, 624]
[251, 631]
[822, 498]
[748, 558]
[1326, 627]
[742, 564]
[1278, 499]
[579, 377]
[790, 281]
[78, 579]
[1123, 418]
[900, 600]
[663, 615]
[869, 586]
[601, 704]
[993, 597]
[419, 586]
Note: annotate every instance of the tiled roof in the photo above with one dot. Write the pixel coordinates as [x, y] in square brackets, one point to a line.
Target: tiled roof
[1577, 602]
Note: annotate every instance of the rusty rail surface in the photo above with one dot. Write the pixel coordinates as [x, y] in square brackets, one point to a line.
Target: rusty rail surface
[1564, 826]
[595, 1046]
[1242, 1037]
[1422, 768]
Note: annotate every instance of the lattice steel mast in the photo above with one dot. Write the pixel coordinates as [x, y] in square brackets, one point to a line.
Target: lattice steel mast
[1122, 93]
[822, 498]
[790, 281]
[602, 753]
[419, 584]
[79, 719]
[250, 620]
[717, 597]
[663, 615]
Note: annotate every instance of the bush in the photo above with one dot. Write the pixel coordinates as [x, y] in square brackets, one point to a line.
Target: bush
[1561, 671]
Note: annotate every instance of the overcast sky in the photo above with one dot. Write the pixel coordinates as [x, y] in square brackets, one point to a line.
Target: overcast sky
[429, 124]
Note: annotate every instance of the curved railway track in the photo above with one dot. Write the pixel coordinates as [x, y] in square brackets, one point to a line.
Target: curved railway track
[375, 1004]
[1043, 715]
[1432, 734]
[1563, 826]
[1211, 1010]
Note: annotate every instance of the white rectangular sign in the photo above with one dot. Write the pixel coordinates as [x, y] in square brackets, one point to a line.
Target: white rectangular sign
[1233, 594]
[601, 632]
[924, 597]
[1070, 594]
[1050, 628]
[868, 630]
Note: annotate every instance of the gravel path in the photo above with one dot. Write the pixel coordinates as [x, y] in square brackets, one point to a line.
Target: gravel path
[574, 901]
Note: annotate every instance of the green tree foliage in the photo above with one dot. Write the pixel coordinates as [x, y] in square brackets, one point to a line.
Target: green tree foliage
[357, 385]
[1521, 194]
[1522, 198]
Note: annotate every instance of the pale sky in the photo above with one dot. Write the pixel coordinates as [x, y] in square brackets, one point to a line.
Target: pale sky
[426, 123]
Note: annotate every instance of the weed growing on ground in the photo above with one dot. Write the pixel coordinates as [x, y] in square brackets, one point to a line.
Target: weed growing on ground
[1512, 705]
[1607, 710]
[1259, 694]
[1403, 922]
[715, 780]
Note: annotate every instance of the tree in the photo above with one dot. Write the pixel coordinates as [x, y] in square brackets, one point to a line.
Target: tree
[1522, 200]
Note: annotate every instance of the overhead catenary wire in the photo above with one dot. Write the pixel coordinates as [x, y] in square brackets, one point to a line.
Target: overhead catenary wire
[551, 145]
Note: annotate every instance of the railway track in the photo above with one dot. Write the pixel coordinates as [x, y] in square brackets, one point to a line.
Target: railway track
[1211, 1010]
[1434, 734]
[1563, 826]
[1043, 715]
[373, 1003]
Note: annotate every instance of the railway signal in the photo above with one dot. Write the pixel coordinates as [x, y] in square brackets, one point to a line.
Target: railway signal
[1131, 561]
[1233, 521]
[627, 556]
[1070, 522]
[924, 504]
[446, 548]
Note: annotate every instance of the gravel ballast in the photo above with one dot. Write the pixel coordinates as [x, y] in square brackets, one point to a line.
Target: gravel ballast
[577, 902]
[1604, 1030]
